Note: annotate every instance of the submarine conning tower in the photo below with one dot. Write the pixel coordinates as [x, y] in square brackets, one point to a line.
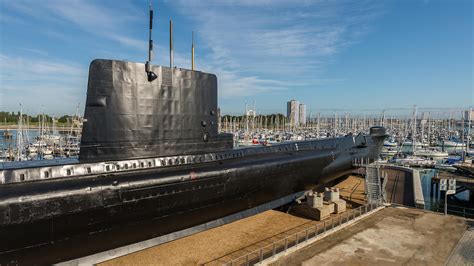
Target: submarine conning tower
[128, 117]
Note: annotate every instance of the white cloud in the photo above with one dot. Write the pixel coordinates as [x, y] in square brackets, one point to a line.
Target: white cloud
[57, 85]
[139, 45]
[253, 46]
[260, 46]
[231, 85]
[33, 69]
[34, 51]
[89, 16]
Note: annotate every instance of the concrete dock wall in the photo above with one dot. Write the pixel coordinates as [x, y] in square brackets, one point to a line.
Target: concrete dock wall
[418, 198]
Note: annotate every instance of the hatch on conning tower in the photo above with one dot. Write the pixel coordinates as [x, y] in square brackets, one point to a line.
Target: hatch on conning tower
[126, 116]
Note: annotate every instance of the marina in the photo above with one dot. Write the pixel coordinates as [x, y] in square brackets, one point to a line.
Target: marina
[45, 141]
[437, 138]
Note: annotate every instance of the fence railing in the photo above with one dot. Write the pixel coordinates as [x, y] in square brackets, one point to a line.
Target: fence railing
[452, 209]
[301, 237]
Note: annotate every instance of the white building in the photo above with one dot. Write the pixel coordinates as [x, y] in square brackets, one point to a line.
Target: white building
[302, 114]
[469, 115]
[292, 112]
[251, 113]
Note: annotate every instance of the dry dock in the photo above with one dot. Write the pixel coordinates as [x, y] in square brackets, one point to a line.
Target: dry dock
[393, 235]
[215, 246]
[220, 245]
[399, 187]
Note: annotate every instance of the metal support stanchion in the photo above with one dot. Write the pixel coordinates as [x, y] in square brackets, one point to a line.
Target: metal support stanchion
[445, 203]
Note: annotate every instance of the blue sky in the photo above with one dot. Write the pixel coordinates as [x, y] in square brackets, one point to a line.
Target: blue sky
[328, 54]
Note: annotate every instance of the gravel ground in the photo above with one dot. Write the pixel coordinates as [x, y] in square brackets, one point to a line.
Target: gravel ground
[221, 244]
[214, 244]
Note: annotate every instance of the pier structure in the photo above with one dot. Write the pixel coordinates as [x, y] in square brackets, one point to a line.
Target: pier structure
[463, 183]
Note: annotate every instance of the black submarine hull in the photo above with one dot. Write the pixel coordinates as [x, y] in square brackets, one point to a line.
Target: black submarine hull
[97, 213]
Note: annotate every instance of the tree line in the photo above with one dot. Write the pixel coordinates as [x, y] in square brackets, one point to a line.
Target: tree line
[259, 117]
[12, 117]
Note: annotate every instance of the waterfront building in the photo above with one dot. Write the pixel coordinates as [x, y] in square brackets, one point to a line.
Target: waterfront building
[251, 113]
[469, 115]
[292, 112]
[302, 114]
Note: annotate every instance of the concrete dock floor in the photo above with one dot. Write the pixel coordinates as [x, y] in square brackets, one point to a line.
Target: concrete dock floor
[463, 253]
[392, 236]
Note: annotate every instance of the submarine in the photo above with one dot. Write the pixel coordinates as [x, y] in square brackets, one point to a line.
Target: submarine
[151, 163]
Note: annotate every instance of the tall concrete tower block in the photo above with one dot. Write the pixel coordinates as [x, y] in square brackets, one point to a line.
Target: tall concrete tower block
[292, 112]
[302, 114]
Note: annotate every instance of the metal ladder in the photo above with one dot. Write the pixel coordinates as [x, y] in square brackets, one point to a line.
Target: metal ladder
[372, 184]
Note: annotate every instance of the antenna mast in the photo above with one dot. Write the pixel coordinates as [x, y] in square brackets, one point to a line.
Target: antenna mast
[171, 44]
[151, 75]
[192, 52]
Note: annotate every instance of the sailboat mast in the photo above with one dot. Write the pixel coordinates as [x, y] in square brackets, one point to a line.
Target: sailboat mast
[469, 129]
[414, 130]
[429, 129]
[318, 126]
[19, 135]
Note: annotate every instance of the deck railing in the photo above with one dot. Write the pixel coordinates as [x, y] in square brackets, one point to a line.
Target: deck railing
[301, 237]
